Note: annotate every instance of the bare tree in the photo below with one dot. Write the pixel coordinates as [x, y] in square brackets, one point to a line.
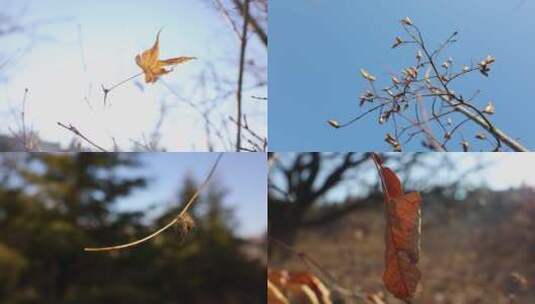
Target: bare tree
[439, 112]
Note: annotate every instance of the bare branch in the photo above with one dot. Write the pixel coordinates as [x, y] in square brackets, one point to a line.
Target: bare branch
[76, 132]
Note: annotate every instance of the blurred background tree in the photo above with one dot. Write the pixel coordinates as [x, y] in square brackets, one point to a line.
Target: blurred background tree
[52, 205]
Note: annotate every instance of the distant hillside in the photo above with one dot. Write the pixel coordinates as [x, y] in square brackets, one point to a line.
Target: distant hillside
[13, 144]
[477, 250]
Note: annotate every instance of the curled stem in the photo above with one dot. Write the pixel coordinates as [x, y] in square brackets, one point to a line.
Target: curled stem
[171, 223]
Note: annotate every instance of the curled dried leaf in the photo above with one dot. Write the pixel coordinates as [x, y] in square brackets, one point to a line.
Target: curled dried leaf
[410, 73]
[406, 21]
[489, 109]
[367, 75]
[397, 42]
[402, 237]
[391, 140]
[484, 66]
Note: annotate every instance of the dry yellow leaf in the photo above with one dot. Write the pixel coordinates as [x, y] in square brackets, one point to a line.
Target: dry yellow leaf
[152, 66]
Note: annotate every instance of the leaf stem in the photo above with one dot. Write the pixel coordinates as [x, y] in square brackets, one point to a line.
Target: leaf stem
[108, 90]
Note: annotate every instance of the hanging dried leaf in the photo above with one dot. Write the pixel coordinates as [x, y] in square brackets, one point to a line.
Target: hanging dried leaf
[397, 42]
[152, 66]
[184, 225]
[484, 66]
[402, 237]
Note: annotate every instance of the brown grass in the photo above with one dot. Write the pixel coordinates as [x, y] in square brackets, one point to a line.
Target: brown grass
[481, 250]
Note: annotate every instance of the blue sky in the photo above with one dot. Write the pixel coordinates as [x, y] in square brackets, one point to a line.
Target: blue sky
[243, 174]
[84, 44]
[317, 48]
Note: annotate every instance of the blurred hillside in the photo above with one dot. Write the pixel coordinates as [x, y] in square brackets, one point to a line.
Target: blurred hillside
[478, 249]
[52, 206]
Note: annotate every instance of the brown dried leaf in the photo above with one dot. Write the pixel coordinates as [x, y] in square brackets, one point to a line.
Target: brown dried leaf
[299, 286]
[402, 237]
[153, 67]
[401, 274]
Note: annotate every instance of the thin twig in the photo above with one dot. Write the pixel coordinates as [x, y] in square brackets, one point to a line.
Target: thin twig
[108, 90]
[226, 14]
[23, 120]
[258, 29]
[76, 132]
[241, 72]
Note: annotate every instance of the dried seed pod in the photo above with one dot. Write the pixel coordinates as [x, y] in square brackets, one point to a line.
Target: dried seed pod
[489, 109]
[393, 142]
[184, 225]
[397, 42]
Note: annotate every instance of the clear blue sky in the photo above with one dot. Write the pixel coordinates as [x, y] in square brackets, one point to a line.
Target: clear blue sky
[84, 44]
[317, 48]
[243, 174]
